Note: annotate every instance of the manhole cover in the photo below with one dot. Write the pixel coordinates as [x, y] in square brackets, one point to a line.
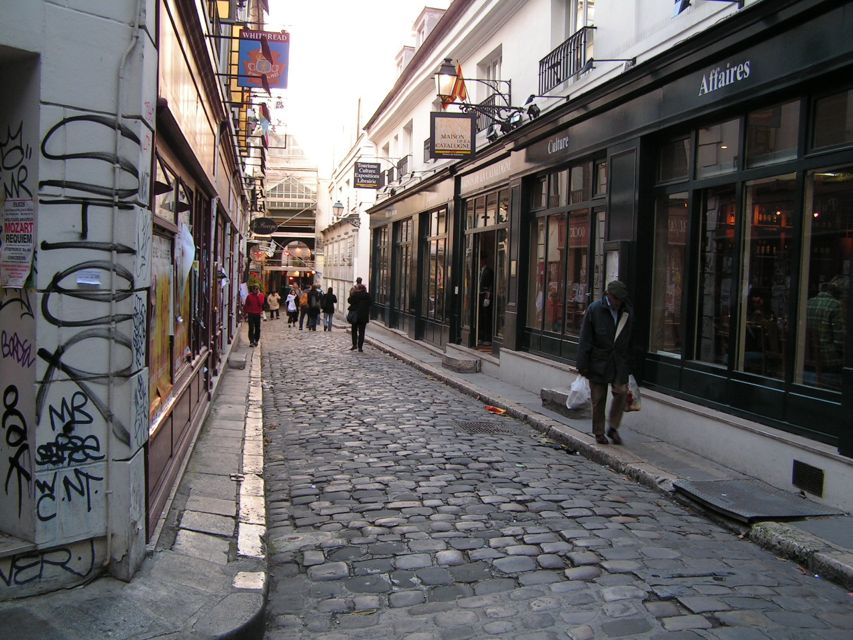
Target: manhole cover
[482, 426]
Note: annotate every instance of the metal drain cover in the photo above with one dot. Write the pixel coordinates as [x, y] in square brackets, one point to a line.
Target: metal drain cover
[483, 426]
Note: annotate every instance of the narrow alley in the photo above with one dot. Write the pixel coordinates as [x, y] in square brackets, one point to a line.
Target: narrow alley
[399, 508]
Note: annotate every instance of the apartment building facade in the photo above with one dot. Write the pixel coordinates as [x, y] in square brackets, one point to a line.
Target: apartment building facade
[125, 159]
[698, 151]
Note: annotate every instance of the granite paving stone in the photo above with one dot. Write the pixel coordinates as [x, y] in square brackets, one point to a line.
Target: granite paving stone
[411, 527]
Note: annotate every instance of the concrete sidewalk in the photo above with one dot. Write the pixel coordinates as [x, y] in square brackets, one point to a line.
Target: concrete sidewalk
[205, 572]
[823, 546]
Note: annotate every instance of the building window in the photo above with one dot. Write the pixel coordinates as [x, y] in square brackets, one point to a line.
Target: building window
[382, 253]
[673, 160]
[833, 120]
[771, 134]
[826, 257]
[670, 264]
[716, 287]
[435, 287]
[717, 149]
[402, 271]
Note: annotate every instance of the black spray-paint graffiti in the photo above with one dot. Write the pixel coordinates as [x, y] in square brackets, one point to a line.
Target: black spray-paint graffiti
[20, 297]
[13, 347]
[67, 448]
[74, 482]
[13, 157]
[42, 565]
[96, 196]
[15, 426]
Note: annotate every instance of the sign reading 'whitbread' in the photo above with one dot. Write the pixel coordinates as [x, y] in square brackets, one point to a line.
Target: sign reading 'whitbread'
[452, 135]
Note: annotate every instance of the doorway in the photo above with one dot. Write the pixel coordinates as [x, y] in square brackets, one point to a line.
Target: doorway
[484, 290]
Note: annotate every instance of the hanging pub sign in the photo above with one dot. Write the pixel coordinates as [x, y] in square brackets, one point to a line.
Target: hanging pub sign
[366, 175]
[452, 135]
[264, 58]
[264, 226]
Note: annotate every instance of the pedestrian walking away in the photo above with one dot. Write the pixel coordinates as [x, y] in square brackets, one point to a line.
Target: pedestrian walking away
[328, 307]
[315, 302]
[274, 303]
[303, 308]
[603, 357]
[292, 310]
[359, 302]
[254, 308]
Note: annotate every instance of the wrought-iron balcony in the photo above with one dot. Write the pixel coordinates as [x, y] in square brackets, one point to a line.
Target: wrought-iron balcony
[566, 60]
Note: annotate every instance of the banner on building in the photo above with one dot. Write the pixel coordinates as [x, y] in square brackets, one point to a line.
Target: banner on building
[452, 135]
[264, 58]
[16, 248]
[366, 175]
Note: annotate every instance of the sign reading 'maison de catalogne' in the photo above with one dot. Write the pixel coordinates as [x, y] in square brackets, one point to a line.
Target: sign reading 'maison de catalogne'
[451, 135]
[366, 175]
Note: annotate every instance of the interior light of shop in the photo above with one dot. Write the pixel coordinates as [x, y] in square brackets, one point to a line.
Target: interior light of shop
[724, 146]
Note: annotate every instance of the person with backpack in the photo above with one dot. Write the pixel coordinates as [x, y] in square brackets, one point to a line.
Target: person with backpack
[329, 301]
[315, 303]
[303, 308]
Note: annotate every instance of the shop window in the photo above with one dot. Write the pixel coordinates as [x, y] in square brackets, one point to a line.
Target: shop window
[580, 185]
[826, 261]
[717, 149]
[436, 272]
[670, 263]
[554, 272]
[536, 293]
[539, 193]
[673, 160]
[160, 322]
[577, 265]
[558, 188]
[716, 282]
[770, 205]
[600, 177]
[503, 207]
[479, 211]
[382, 257]
[470, 212]
[501, 253]
[402, 270]
[491, 213]
[771, 134]
[833, 120]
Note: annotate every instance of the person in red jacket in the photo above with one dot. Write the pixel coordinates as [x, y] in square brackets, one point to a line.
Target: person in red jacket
[254, 308]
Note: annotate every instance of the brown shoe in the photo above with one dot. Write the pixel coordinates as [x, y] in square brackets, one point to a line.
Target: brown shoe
[602, 440]
[614, 435]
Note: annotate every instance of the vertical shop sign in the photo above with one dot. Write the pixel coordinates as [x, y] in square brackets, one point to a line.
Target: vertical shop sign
[264, 59]
[16, 249]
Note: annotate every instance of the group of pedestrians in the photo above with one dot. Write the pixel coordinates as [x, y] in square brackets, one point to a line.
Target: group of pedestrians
[304, 307]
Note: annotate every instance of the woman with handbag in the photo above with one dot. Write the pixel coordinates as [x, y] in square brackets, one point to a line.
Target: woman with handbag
[359, 313]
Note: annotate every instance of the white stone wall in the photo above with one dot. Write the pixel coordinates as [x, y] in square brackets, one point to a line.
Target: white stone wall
[91, 114]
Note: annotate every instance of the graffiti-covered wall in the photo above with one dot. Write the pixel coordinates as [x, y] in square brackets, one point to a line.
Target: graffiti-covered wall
[76, 137]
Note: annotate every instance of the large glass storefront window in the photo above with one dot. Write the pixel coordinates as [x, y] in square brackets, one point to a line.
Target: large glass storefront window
[434, 304]
[403, 257]
[771, 134]
[716, 293]
[833, 120]
[717, 149]
[670, 265]
[826, 261]
[770, 205]
[382, 264]
[536, 293]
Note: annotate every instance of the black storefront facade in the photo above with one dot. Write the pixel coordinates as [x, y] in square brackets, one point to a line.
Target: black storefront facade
[716, 180]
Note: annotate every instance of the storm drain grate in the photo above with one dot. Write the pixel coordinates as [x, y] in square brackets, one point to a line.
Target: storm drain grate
[482, 426]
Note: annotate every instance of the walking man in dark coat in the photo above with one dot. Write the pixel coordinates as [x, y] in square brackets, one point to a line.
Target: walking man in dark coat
[359, 304]
[603, 355]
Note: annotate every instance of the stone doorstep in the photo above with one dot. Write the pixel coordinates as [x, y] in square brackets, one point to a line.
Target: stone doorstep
[555, 400]
[461, 365]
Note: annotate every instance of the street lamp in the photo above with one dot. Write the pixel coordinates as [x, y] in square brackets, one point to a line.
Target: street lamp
[338, 209]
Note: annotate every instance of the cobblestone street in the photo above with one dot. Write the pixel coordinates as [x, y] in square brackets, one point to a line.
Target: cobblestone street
[399, 508]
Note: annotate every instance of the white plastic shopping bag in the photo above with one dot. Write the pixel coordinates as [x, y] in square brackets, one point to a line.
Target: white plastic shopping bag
[579, 394]
[634, 401]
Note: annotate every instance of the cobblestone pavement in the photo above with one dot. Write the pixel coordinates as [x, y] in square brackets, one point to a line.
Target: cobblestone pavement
[399, 508]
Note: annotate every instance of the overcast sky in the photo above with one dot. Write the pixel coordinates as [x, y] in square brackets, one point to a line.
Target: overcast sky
[339, 50]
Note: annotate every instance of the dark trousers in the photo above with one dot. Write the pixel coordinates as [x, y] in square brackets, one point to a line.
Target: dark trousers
[357, 332]
[598, 392]
[254, 327]
[303, 311]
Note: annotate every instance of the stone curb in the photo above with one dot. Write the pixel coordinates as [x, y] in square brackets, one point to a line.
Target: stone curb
[815, 554]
